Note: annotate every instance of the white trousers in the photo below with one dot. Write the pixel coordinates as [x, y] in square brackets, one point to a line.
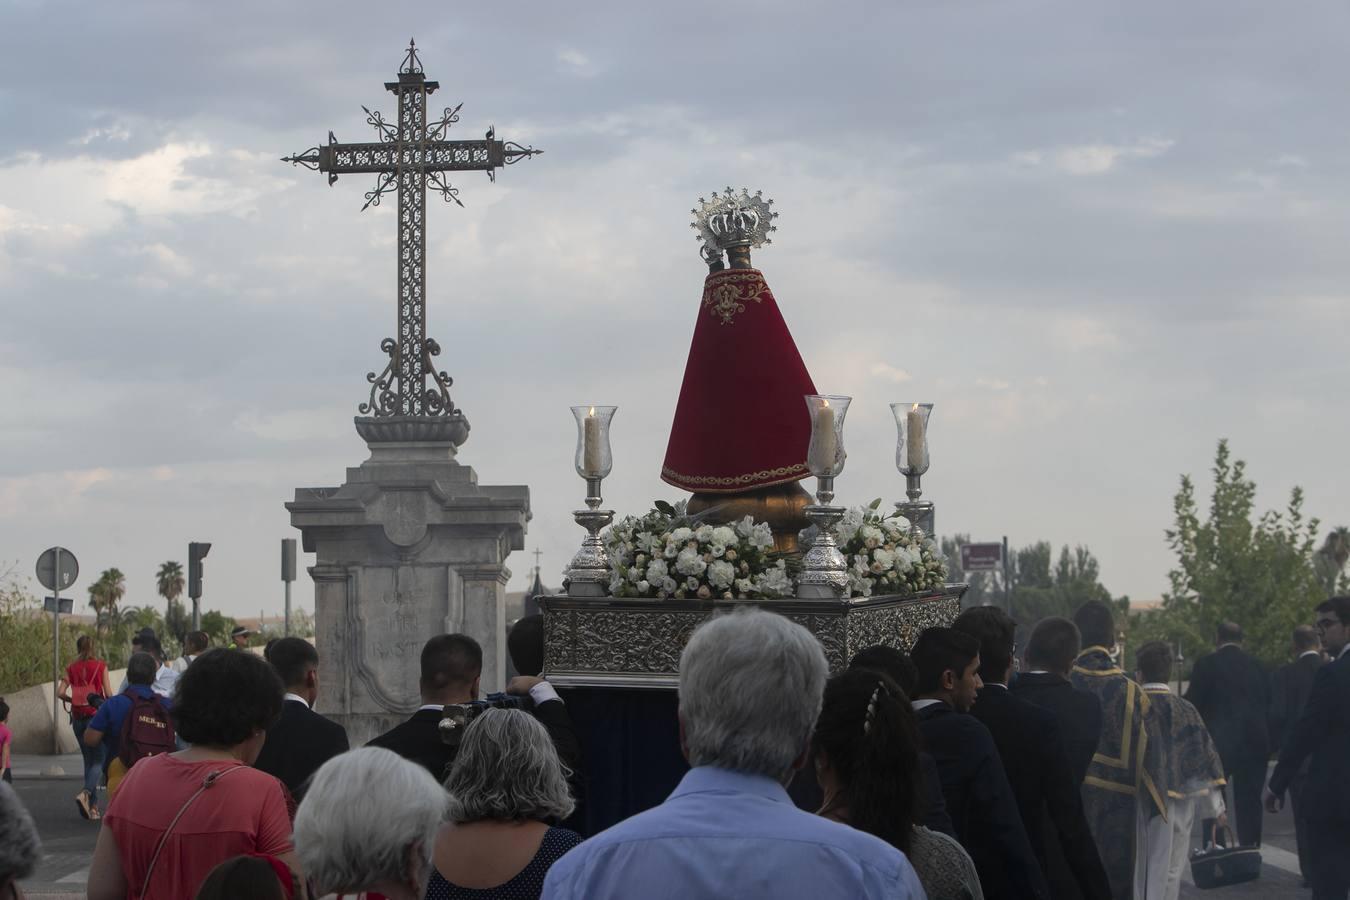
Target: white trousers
[1162, 848]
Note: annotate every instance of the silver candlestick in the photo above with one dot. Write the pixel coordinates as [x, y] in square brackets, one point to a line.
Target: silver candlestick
[824, 572]
[588, 574]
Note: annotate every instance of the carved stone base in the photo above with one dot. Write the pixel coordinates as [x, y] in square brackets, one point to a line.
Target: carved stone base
[623, 642]
[410, 546]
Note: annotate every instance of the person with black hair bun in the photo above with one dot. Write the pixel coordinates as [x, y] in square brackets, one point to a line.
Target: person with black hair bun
[866, 753]
[178, 815]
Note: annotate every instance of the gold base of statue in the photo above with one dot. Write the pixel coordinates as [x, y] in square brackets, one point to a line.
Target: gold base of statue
[783, 506]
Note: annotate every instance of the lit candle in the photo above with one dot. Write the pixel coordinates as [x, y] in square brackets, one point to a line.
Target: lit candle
[914, 453]
[824, 442]
[590, 444]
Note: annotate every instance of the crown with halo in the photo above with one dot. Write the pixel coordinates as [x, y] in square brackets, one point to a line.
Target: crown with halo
[733, 219]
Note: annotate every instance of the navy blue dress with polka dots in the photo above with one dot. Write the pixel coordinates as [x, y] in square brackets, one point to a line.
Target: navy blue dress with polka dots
[527, 884]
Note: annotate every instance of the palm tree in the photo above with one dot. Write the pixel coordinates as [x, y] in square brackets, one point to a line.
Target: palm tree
[169, 578]
[105, 594]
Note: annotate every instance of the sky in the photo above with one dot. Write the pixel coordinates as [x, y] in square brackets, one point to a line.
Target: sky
[1098, 237]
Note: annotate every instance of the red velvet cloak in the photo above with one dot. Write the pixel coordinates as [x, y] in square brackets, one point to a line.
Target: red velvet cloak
[741, 422]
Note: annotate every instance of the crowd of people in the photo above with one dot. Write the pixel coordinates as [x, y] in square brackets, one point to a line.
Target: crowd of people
[953, 771]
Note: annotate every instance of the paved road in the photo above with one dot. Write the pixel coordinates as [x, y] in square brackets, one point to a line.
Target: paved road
[68, 842]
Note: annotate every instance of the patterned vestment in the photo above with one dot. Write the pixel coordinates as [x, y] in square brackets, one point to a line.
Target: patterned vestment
[1121, 786]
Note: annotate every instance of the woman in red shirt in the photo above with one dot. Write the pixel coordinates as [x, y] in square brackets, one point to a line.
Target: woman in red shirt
[86, 675]
[178, 815]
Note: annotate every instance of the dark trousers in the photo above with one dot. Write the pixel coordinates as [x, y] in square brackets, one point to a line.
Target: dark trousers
[1330, 875]
[1302, 832]
[1245, 777]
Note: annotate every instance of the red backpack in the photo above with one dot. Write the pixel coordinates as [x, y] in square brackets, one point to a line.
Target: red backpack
[146, 731]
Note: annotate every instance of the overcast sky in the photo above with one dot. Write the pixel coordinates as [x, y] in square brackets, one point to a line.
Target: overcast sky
[1098, 238]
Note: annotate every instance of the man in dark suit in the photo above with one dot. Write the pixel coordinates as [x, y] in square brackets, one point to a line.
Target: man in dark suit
[451, 666]
[1034, 759]
[1230, 690]
[1289, 689]
[1050, 654]
[1322, 734]
[979, 798]
[301, 740]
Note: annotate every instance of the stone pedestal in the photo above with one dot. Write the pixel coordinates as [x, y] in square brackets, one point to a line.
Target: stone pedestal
[411, 546]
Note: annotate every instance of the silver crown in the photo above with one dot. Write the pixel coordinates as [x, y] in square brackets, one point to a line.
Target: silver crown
[732, 219]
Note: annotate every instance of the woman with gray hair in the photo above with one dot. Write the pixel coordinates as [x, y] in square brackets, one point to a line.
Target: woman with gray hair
[20, 850]
[367, 824]
[505, 786]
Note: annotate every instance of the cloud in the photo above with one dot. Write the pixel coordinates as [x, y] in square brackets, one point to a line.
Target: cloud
[1093, 159]
[1079, 332]
[889, 373]
[970, 215]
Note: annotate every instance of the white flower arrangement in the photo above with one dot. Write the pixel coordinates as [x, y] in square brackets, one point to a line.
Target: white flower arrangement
[665, 553]
[883, 556]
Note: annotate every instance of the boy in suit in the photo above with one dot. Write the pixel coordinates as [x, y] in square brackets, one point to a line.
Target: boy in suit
[301, 740]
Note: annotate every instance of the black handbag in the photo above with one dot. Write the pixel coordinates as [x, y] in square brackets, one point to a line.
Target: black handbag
[1217, 866]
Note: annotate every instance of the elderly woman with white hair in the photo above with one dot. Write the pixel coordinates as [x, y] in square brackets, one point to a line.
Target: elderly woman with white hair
[367, 824]
[20, 850]
[506, 785]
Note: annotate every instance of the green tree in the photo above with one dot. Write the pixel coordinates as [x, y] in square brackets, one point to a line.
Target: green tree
[217, 626]
[1331, 558]
[169, 582]
[984, 588]
[26, 635]
[1235, 566]
[104, 595]
[1042, 589]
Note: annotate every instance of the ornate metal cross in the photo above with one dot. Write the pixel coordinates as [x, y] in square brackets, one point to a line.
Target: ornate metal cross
[407, 156]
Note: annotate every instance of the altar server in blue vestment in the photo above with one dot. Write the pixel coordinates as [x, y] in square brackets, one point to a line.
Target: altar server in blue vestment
[751, 685]
[1120, 792]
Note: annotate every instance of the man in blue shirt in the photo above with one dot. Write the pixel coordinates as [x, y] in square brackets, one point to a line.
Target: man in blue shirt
[750, 690]
[106, 725]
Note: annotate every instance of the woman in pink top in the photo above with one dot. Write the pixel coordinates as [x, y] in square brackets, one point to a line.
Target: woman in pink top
[178, 815]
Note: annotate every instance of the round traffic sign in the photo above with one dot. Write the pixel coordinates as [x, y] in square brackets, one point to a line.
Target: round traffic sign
[54, 574]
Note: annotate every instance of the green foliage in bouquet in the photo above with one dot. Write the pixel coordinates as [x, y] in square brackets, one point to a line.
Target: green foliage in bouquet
[667, 553]
[883, 556]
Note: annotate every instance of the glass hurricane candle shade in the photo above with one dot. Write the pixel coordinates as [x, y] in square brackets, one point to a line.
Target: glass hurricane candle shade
[594, 459]
[911, 442]
[825, 456]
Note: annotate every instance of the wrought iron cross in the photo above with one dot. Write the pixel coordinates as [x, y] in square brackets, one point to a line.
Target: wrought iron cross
[407, 156]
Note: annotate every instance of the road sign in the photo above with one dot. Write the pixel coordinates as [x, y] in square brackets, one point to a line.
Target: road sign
[981, 557]
[66, 604]
[54, 575]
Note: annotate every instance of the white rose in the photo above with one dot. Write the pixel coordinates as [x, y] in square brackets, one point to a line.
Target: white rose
[745, 527]
[723, 535]
[689, 563]
[717, 550]
[704, 533]
[643, 587]
[721, 574]
[680, 535]
[668, 584]
[848, 526]
[671, 550]
[656, 570]
[635, 575]
[884, 557]
[744, 585]
[762, 537]
[691, 584]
